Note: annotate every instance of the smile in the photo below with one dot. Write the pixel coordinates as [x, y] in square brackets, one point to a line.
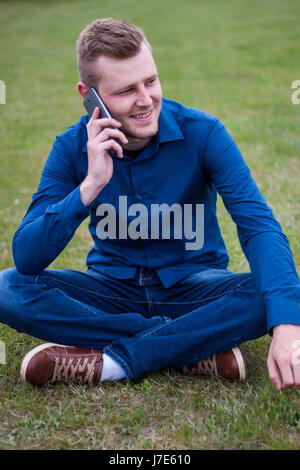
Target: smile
[142, 116]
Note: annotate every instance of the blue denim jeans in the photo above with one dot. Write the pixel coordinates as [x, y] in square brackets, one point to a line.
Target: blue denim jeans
[138, 322]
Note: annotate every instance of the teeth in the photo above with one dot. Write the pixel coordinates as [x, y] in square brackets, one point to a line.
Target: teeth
[142, 115]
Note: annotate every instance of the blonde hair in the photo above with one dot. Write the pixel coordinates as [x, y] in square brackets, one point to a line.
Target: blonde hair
[110, 37]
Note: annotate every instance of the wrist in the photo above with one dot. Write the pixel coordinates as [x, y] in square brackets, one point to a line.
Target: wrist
[285, 328]
[89, 190]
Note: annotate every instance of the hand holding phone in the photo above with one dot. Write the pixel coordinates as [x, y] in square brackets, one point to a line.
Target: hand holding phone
[92, 101]
[102, 138]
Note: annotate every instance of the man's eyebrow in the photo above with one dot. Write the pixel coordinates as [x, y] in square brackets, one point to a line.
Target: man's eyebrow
[132, 85]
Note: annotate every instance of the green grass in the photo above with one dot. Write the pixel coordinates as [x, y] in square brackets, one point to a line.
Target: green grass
[236, 60]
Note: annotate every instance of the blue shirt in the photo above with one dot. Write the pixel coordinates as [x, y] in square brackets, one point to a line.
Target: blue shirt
[189, 161]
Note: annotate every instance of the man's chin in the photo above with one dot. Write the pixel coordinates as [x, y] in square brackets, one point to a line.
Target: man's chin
[141, 133]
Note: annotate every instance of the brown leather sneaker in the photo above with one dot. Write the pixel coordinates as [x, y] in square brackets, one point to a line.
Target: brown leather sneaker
[50, 363]
[229, 365]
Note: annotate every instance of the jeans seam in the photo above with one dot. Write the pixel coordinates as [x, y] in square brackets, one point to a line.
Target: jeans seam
[194, 301]
[201, 300]
[90, 291]
[39, 278]
[82, 305]
[137, 301]
[177, 319]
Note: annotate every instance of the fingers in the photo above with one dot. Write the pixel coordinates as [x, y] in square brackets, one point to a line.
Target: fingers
[109, 133]
[113, 145]
[296, 362]
[284, 373]
[296, 373]
[95, 125]
[284, 356]
[274, 373]
[103, 131]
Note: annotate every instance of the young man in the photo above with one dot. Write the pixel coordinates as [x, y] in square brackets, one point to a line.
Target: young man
[156, 292]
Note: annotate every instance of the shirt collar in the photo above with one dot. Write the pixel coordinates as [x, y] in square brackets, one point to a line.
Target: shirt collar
[168, 127]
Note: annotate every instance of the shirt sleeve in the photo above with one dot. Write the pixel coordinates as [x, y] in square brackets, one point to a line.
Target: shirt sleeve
[53, 216]
[262, 240]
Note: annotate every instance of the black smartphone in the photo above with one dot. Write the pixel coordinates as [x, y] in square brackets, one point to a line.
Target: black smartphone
[92, 100]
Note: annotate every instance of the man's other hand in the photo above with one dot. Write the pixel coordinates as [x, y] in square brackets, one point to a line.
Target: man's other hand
[284, 356]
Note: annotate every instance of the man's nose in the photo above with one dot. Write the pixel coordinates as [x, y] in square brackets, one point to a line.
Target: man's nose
[143, 99]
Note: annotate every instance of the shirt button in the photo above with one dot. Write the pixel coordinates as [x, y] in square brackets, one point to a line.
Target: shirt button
[139, 196]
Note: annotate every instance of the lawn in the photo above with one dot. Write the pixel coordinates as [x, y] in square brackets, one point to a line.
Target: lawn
[234, 59]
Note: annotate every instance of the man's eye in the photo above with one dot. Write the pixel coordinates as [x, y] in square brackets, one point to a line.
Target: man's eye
[125, 91]
[149, 82]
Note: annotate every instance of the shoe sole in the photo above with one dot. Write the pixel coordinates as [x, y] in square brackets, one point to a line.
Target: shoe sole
[29, 356]
[241, 364]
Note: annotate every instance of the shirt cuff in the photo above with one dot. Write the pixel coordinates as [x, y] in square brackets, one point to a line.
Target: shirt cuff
[71, 207]
[76, 208]
[282, 310]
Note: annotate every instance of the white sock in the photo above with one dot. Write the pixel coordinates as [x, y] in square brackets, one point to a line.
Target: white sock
[111, 369]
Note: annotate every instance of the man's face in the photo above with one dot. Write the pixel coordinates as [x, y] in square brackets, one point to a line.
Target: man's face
[131, 90]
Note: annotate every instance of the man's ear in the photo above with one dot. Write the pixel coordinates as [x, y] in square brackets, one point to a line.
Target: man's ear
[82, 89]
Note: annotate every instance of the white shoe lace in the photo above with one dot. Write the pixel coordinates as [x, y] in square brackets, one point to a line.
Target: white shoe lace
[67, 369]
